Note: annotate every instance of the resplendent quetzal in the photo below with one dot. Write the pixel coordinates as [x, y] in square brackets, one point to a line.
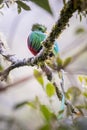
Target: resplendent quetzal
[36, 37]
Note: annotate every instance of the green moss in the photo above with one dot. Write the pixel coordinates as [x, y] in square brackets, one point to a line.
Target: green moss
[66, 13]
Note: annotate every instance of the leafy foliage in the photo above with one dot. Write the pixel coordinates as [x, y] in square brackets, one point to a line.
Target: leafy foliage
[79, 30]
[74, 90]
[83, 79]
[19, 9]
[19, 105]
[22, 5]
[67, 62]
[38, 77]
[50, 90]
[85, 94]
[73, 93]
[59, 62]
[43, 4]
[46, 112]
[63, 63]
[60, 114]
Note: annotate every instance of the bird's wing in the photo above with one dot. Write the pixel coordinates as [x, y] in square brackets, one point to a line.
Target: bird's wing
[36, 37]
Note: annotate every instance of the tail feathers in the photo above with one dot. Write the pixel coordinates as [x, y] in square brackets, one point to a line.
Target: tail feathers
[56, 48]
[60, 115]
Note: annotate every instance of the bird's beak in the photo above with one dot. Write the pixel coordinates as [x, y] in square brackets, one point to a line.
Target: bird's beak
[46, 32]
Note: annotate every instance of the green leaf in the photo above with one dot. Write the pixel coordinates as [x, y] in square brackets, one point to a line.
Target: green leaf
[43, 4]
[80, 17]
[74, 90]
[20, 104]
[23, 5]
[38, 77]
[50, 90]
[80, 30]
[85, 94]
[31, 104]
[60, 113]
[1, 6]
[19, 9]
[59, 62]
[86, 79]
[46, 112]
[67, 95]
[80, 78]
[67, 61]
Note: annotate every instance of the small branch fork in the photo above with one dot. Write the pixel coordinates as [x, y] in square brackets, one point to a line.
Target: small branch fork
[15, 62]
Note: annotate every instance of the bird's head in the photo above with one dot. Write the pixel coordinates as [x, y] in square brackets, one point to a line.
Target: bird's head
[39, 27]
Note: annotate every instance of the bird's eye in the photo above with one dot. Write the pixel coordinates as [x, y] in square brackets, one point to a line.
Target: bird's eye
[40, 29]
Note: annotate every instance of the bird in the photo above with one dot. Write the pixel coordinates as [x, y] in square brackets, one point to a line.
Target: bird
[36, 37]
[34, 42]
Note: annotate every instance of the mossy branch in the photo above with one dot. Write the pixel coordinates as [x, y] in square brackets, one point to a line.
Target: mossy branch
[65, 14]
[60, 25]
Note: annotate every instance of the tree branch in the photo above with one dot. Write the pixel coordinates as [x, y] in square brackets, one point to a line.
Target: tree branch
[66, 14]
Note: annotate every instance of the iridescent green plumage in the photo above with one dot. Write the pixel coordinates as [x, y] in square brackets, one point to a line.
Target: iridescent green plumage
[36, 37]
[39, 27]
